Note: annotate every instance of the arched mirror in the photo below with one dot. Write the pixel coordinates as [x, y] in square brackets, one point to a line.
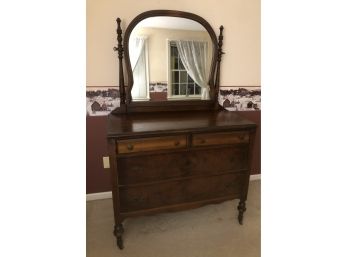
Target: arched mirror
[170, 56]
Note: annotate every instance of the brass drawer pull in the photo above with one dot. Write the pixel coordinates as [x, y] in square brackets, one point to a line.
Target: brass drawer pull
[130, 147]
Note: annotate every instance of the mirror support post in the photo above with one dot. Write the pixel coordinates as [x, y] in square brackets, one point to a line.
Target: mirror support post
[217, 78]
[120, 50]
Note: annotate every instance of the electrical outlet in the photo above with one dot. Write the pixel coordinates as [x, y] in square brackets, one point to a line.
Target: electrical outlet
[106, 162]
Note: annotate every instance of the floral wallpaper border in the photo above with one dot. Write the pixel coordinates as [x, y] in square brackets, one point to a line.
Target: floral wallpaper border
[100, 101]
[240, 98]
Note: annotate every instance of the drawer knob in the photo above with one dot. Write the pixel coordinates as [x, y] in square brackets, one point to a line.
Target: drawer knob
[176, 143]
[202, 141]
[241, 137]
[136, 168]
[130, 147]
[139, 199]
[229, 186]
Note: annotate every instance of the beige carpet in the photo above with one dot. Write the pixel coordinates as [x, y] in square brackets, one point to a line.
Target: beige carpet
[210, 231]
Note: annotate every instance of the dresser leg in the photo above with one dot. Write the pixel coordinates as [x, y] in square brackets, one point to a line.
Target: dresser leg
[241, 209]
[118, 231]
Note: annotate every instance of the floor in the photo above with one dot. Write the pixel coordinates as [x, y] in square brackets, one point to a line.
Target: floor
[210, 231]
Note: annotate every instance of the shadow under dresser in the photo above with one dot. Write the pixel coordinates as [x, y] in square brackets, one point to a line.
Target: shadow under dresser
[170, 161]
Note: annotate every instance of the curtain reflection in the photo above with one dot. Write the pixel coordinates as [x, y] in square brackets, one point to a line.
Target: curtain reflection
[193, 55]
[139, 63]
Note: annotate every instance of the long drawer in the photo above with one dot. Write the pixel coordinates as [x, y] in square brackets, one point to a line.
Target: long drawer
[224, 138]
[181, 191]
[151, 144]
[156, 167]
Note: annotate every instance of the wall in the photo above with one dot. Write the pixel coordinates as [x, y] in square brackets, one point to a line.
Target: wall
[240, 18]
[240, 64]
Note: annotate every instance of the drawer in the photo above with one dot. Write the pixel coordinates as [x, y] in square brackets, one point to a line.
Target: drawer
[151, 144]
[183, 191]
[156, 167]
[220, 138]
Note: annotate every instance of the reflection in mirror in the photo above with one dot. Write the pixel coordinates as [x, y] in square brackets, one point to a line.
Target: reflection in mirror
[170, 59]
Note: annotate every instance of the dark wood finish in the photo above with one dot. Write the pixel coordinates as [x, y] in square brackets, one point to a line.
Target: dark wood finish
[255, 116]
[98, 178]
[171, 13]
[151, 144]
[167, 106]
[120, 50]
[217, 77]
[164, 123]
[175, 207]
[166, 193]
[220, 138]
[118, 232]
[160, 163]
[183, 105]
[241, 209]
[201, 162]
[176, 155]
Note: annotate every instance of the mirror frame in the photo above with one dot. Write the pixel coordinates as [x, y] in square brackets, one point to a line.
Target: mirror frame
[169, 105]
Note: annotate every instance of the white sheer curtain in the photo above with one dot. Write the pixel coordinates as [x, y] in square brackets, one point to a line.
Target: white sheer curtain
[194, 55]
[138, 58]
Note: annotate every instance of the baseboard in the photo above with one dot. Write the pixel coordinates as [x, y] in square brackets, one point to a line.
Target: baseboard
[107, 195]
[99, 196]
[255, 177]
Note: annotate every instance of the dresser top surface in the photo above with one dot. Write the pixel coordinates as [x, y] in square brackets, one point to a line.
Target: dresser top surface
[184, 121]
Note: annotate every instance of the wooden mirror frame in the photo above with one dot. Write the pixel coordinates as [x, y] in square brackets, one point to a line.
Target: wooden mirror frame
[126, 103]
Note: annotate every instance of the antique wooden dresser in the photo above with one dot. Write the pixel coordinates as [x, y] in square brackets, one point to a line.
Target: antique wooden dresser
[176, 155]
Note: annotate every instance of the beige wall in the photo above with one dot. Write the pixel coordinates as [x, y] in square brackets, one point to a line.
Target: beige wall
[240, 18]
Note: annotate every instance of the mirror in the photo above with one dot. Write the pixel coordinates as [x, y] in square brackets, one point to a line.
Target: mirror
[169, 58]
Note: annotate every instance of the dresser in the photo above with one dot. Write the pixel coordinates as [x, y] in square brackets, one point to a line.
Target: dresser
[171, 161]
[184, 151]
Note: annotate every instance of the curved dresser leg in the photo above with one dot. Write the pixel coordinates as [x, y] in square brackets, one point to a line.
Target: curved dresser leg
[118, 232]
[241, 209]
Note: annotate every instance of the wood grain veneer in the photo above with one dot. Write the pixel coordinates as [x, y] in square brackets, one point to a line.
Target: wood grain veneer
[170, 161]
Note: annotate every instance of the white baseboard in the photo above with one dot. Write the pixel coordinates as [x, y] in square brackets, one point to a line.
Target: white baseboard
[255, 177]
[107, 195]
[99, 196]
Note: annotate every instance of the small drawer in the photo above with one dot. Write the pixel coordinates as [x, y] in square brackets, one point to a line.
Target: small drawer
[220, 138]
[151, 144]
